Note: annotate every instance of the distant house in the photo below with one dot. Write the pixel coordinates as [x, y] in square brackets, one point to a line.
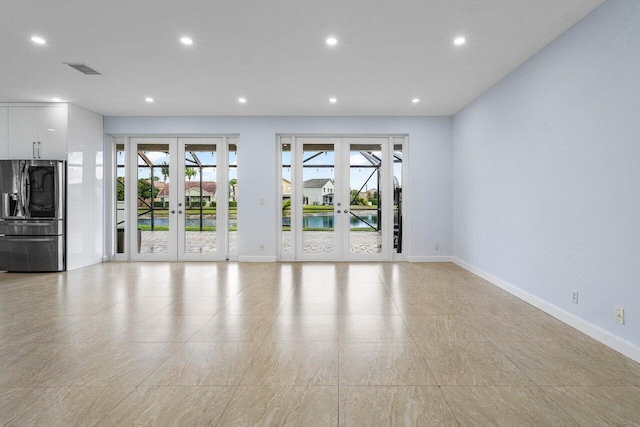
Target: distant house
[286, 189]
[192, 191]
[370, 194]
[318, 191]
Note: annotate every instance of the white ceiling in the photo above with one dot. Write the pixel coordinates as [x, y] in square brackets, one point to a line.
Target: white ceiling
[272, 52]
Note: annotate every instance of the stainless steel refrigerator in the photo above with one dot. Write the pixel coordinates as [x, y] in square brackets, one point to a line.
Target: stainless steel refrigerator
[32, 215]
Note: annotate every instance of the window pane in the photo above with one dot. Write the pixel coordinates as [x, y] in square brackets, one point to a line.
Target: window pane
[286, 199]
[318, 218]
[365, 225]
[121, 212]
[153, 198]
[233, 198]
[397, 198]
[200, 198]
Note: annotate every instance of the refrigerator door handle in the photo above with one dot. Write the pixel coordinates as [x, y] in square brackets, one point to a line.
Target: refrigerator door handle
[27, 192]
[39, 150]
[29, 240]
[33, 150]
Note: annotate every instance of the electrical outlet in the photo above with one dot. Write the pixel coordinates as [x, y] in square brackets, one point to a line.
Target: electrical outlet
[261, 247]
[437, 246]
[620, 315]
[574, 297]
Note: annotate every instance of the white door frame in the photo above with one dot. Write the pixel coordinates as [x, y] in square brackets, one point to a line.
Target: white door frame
[341, 176]
[131, 197]
[221, 197]
[296, 205]
[176, 220]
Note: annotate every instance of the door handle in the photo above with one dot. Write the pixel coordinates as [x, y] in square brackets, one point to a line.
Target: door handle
[33, 150]
[39, 149]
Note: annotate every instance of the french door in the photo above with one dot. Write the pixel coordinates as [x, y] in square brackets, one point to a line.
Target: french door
[342, 204]
[179, 198]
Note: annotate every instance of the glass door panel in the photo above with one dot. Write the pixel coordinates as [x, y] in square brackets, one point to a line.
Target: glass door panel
[151, 204]
[200, 188]
[365, 210]
[319, 214]
[286, 191]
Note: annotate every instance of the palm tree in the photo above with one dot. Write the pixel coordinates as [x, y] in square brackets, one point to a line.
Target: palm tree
[286, 207]
[165, 175]
[232, 189]
[190, 173]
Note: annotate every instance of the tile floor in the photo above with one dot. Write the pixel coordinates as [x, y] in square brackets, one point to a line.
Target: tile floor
[299, 344]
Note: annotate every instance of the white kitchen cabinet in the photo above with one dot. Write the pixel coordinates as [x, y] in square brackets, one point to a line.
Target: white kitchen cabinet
[38, 132]
[4, 133]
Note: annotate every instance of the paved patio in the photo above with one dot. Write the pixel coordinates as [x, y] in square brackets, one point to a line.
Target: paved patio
[204, 242]
[197, 242]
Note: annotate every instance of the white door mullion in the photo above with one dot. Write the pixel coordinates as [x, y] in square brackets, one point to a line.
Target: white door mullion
[341, 221]
[181, 211]
[222, 199]
[130, 197]
[297, 155]
[387, 203]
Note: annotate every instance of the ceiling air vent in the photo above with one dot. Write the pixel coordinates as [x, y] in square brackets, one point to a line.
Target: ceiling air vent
[83, 68]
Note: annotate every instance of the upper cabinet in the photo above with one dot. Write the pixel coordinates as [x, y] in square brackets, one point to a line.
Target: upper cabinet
[4, 132]
[38, 132]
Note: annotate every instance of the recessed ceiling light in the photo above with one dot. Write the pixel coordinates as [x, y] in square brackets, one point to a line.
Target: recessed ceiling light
[333, 100]
[56, 99]
[149, 99]
[415, 100]
[242, 100]
[186, 41]
[458, 41]
[38, 40]
[332, 41]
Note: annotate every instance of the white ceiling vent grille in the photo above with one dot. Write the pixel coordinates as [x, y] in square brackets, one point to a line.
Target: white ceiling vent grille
[83, 69]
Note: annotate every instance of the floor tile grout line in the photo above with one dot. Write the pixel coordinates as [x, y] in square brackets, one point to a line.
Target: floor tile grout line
[133, 389]
[252, 360]
[415, 343]
[543, 391]
[453, 414]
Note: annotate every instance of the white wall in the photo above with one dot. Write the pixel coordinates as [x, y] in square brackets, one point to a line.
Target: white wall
[85, 189]
[429, 167]
[547, 174]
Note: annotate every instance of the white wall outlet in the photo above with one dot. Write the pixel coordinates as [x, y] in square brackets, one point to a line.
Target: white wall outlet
[620, 315]
[574, 297]
[261, 247]
[261, 202]
[437, 246]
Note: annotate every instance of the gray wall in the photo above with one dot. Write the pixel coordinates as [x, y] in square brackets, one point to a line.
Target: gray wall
[429, 163]
[547, 172]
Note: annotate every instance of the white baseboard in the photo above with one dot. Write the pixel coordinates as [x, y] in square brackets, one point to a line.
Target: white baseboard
[257, 259]
[594, 331]
[429, 259]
